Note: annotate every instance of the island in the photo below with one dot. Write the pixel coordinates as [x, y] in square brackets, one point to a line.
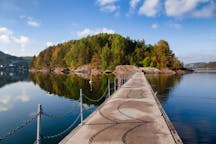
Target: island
[103, 53]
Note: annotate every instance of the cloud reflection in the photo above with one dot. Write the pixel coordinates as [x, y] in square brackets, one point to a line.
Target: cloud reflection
[8, 101]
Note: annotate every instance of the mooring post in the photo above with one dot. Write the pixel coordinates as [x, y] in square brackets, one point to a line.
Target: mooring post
[38, 124]
[108, 88]
[81, 108]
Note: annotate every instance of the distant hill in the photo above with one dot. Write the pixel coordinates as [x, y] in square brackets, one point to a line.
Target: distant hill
[106, 51]
[201, 65]
[6, 59]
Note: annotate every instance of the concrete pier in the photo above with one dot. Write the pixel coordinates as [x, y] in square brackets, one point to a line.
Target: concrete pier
[132, 115]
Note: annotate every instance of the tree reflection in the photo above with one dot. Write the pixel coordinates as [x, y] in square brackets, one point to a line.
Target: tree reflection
[68, 86]
[163, 84]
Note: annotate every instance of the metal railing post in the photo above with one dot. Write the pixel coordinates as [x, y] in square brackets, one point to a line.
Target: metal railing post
[38, 124]
[108, 87]
[81, 108]
[115, 84]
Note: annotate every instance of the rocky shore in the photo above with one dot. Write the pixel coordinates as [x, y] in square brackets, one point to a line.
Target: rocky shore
[150, 70]
[87, 71]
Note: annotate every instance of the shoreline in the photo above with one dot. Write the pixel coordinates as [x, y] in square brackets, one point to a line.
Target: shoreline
[87, 71]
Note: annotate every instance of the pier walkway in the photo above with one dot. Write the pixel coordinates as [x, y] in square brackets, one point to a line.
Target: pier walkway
[132, 115]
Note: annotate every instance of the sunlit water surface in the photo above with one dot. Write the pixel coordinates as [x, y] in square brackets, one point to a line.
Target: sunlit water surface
[189, 101]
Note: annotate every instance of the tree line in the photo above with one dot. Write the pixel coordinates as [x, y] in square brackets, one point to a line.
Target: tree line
[106, 51]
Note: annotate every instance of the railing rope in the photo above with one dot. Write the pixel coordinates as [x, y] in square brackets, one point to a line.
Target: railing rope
[64, 131]
[21, 126]
[96, 100]
[40, 112]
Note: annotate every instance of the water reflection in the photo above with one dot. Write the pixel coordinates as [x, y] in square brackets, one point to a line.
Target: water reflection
[163, 84]
[68, 86]
[8, 100]
[191, 104]
[11, 77]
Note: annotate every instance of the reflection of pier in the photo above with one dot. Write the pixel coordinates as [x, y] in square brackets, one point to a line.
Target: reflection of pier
[132, 115]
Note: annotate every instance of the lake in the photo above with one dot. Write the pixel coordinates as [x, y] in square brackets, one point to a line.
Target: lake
[58, 94]
[189, 101]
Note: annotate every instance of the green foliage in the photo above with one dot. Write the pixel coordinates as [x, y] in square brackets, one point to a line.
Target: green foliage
[105, 56]
[107, 51]
[147, 62]
[67, 86]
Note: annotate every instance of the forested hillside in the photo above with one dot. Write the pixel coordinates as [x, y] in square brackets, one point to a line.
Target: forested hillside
[106, 51]
[202, 65]
[6, 59]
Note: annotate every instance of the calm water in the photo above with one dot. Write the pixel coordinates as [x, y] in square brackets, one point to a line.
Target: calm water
[20, 94]
[189, 100]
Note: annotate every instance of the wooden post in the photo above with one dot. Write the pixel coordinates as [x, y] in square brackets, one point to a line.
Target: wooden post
[38, 124]
[81, 108]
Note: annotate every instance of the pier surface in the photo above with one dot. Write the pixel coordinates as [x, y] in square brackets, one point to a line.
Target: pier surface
[132, 115]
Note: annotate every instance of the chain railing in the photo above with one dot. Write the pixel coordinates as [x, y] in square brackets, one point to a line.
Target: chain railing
[64, 131]
[41, 112]
[96, 100]
[18, 128]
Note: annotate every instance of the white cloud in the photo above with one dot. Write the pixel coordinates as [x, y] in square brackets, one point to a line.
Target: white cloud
[23, 97]
[87, 32]
[155, 26]
[33, 23]
[133, 5]
[196, 8]
[205, 12]
[108, 5]
[22, 40]
[108, 8]
[4, 38]
[49, 43]
[8, 37]
[105, 2]
[150, 8]
[4, 30]
[30, 21]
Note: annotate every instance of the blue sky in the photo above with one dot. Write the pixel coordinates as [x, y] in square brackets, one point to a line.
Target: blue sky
[29, 26]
